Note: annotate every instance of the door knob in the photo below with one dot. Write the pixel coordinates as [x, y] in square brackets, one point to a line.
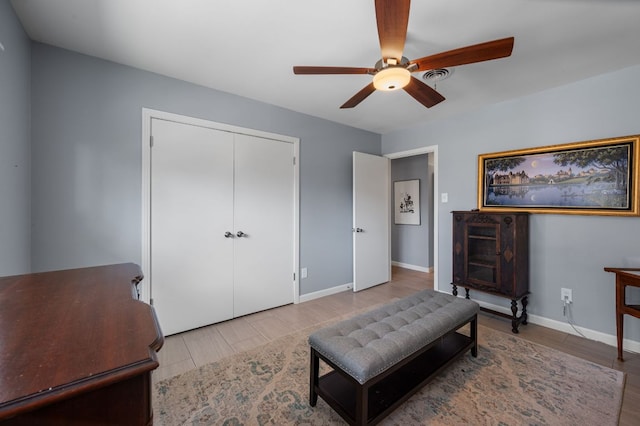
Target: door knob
[228, 234]
[240, 234]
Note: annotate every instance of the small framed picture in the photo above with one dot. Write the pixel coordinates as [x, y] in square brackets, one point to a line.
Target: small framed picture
[407, 202]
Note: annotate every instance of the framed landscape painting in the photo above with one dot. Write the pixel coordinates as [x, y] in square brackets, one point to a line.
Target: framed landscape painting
[598, 177]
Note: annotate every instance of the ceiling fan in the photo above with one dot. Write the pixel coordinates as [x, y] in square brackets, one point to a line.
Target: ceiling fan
[393, 71]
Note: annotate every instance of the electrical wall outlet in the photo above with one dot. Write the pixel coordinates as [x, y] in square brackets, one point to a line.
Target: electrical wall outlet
[303, 273]
[565, 295]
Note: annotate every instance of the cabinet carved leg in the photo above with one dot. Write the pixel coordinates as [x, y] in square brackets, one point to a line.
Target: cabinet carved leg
[514, 320]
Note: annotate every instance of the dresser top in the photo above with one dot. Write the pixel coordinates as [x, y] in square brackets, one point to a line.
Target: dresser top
[70, 331]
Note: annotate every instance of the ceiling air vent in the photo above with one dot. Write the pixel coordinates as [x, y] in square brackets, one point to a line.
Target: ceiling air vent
[433, 76]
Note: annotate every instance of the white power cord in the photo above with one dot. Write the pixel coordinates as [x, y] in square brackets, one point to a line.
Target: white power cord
[566, 311]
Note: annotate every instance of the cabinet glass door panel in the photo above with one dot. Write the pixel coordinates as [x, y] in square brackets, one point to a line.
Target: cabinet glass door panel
[482, 251]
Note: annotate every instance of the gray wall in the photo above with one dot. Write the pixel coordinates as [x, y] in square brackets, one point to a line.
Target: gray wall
[566, 250]
[86, 141]
[411, 244]
[15, 169]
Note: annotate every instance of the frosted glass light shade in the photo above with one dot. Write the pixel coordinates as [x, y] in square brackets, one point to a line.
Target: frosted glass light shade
[392, 78]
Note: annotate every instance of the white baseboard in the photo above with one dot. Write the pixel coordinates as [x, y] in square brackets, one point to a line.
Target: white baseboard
[609, 339]
[326, 292]
[412, 267]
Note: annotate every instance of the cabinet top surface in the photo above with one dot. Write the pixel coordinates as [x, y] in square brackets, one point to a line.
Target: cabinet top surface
[65, 331]
[491, 213]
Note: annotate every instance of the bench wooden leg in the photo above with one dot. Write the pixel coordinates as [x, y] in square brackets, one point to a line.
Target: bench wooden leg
[474, 336]
[314, 372]
[362, 405]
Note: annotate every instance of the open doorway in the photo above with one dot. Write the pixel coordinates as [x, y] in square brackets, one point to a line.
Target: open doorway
[412, 213]
[416, 246]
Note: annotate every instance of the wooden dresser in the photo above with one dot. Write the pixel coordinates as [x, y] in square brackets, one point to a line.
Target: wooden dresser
[76, 348]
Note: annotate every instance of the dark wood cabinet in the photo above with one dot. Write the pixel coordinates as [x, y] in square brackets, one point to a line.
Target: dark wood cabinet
[491, 254]
[76, 348]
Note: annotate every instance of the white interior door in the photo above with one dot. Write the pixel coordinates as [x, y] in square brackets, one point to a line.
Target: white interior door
[191, 209]
[371, 221]
[264, 213]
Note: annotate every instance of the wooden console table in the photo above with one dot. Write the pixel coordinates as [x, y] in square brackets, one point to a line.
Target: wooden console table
[624, 277]
[76, 348]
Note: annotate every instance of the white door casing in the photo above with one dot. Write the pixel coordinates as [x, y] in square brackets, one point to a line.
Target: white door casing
[432, 149]
[371, 221]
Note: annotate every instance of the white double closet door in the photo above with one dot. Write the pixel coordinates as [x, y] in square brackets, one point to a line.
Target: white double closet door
[222, 224]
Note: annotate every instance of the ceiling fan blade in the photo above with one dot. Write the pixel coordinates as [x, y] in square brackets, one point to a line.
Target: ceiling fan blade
[332, 70]
[467, 55]
[392, 17]
[423, 93]
[359, 97]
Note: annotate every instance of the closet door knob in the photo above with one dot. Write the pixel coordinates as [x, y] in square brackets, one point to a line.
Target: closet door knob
[228, 234]
[240, 234]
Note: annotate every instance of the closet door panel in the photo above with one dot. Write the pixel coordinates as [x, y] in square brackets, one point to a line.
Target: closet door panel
[191, 209]
[264, 212]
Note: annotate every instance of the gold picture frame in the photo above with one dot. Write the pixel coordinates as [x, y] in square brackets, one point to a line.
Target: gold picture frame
[598, 177]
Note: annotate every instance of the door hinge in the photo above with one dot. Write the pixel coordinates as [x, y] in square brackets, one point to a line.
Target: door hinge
[151, 141]
[294, 161]
[151, 301]
[294, 276]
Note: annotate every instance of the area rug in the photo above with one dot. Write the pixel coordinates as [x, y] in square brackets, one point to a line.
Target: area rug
[511, 382]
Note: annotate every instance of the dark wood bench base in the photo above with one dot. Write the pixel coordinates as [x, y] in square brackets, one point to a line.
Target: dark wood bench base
[369, 403]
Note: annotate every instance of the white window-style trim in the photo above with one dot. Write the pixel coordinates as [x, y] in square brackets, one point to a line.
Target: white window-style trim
[147, 116]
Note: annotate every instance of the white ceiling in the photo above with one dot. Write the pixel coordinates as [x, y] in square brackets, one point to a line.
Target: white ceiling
[248, 47]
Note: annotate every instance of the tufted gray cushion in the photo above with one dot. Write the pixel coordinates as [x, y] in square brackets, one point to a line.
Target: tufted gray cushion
[370, 343]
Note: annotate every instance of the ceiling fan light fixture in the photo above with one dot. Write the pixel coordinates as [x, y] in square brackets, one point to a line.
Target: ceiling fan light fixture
[391, 78]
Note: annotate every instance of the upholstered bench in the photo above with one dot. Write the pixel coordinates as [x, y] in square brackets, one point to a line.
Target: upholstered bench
[382, 357]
